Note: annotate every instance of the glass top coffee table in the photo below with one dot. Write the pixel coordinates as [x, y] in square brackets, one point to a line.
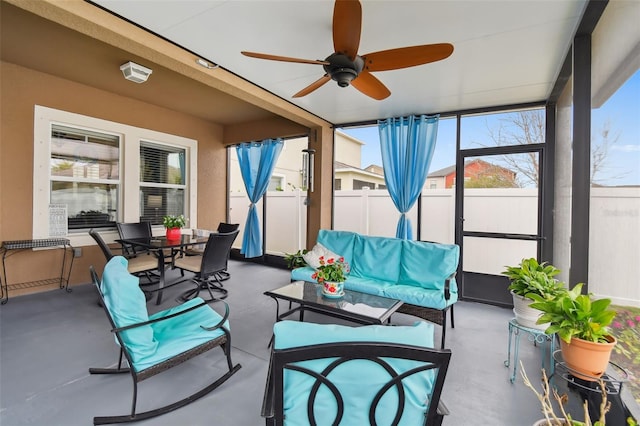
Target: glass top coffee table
[353, 306]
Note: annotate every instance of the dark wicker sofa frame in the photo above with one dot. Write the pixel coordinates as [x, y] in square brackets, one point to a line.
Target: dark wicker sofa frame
[437, 316]
[223, 341]
[281, 359]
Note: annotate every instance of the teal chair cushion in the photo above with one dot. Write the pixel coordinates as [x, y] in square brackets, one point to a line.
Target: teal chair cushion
[339, 242]
[377, 257]
[127, 305]
[427, 265]
[358, 380]
[302, 274]
[422, 297]
[181, 333]
[366, 285]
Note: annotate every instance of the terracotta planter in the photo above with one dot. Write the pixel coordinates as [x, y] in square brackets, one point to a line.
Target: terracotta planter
[587, 360]
[526, 315]
[173, 234]
[330, 289]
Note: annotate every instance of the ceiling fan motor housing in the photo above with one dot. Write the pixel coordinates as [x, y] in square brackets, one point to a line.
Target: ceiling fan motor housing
[342, 69]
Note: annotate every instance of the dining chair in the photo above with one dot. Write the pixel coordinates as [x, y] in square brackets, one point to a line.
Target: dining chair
[198, 250]
[133, 230]
[143, 264]
[207, 267]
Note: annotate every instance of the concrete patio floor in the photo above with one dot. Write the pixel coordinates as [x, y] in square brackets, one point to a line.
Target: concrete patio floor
[49, 340]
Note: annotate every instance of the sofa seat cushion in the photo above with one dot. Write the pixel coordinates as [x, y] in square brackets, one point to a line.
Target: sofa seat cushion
[420, 296]
[377, 257]
[302, 274]
[359, 380]
[427, 265]
[339, 242]
[182, 333]
[367, 285]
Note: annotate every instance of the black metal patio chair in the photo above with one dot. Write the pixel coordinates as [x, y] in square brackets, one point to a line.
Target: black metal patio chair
[156, 343]
[375, 378]
[224, 228]
[142, 265]
[208, 266]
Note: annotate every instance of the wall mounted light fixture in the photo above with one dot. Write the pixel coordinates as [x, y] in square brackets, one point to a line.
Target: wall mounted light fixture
[135, 72]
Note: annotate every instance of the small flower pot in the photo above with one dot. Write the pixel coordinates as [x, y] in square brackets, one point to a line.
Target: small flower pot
[173, 234]
[332, 290]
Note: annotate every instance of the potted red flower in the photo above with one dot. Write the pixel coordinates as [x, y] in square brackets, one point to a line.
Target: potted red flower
[332, 273]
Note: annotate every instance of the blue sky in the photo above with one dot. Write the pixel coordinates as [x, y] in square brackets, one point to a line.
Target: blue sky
[622, 111]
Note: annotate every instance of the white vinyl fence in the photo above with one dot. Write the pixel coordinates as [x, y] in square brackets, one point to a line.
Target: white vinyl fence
[614, 265]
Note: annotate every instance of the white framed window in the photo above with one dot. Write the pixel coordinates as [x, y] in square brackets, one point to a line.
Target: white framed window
[106, 172]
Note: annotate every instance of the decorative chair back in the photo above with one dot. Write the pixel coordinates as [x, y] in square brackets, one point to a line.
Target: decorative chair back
[371, 375]
[216, 253]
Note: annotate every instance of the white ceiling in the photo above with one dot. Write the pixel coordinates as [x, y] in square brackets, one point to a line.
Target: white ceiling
[506, 52]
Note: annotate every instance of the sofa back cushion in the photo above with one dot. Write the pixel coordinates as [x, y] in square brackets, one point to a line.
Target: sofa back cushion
[427, 265]
[358, 380]
[339, 242]
[127, 305]
[377, 257]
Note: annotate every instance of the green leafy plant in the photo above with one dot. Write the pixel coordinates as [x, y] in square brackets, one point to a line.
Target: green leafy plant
[571, 313]
[331, 270]
[295, 260]
[531, 277]
[171, 221]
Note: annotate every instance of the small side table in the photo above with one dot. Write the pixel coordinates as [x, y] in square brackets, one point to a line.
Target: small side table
[533, 335]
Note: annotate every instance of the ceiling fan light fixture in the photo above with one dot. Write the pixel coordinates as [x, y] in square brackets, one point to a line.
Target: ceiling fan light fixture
[344, 76]
[135, 72]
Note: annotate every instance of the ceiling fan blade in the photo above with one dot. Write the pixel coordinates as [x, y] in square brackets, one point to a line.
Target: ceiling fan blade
[347, 23]
[313, 86]
[371, 86]
[283, 58]
[405, 57]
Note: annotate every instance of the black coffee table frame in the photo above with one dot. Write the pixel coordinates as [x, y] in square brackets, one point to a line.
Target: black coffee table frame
[354, 306]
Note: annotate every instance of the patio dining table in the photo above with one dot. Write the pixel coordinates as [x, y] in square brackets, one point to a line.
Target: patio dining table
[163, 248]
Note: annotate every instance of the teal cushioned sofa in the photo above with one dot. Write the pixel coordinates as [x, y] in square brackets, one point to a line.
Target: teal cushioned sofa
[421, 274]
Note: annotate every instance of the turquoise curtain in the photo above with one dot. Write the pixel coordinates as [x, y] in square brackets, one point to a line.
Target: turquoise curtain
[257, 160]
[407, 145]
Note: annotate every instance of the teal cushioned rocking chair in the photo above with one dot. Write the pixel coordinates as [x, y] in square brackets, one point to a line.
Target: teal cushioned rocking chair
[153, 344]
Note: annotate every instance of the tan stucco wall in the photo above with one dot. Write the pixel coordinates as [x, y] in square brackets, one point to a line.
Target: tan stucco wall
[20, 91]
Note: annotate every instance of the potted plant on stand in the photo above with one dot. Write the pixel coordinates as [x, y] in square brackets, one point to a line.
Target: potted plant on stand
[331, 274]
[581, 325]
[173, 225]
[529, 278]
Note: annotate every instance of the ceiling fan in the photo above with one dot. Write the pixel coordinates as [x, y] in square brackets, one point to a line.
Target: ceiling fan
[346, 67]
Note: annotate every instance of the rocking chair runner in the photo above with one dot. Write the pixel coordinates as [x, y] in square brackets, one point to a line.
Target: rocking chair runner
[153, 344]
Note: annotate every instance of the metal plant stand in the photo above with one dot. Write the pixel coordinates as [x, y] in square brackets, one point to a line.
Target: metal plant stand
[538, 337]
